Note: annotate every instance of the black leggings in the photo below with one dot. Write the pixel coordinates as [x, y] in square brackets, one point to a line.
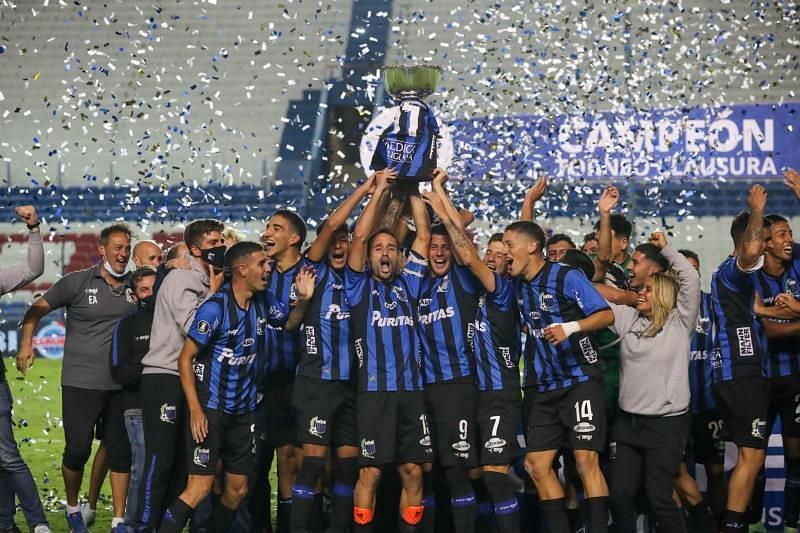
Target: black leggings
[649, 452]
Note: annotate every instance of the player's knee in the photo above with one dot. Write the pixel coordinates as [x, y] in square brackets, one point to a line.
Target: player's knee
[76, 457]
[586, 462]
[537, 467]
[752, 458]
[410, 472]
[236, 492]
[369, 476]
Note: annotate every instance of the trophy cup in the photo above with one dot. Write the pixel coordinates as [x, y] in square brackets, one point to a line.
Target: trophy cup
[407, 137]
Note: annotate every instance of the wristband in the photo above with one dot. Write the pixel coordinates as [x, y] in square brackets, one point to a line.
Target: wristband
[570, 328]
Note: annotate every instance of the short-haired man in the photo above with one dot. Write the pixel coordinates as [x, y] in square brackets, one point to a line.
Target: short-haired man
[147, 253]
[557, 246]
[95, 299]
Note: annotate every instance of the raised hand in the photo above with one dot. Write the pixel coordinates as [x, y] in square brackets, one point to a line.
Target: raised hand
[304, 283]
[440, 177]
[791, 178]
[757, 199]
[27, 214]
[658, 239]
[536, 192]
[608, 199]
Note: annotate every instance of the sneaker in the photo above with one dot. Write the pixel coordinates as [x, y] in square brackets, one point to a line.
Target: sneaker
[75, 523]
[41, 528]
[88, 514]
[121, 528]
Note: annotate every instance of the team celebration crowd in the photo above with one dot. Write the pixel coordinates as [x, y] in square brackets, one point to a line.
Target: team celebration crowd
[401, 379]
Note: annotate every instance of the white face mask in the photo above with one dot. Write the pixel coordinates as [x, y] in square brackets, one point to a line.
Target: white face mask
[113, 272]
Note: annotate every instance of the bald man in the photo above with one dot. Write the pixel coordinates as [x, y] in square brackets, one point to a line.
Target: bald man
[147, 253]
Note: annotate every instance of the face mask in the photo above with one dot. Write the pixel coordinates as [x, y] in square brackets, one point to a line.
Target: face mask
[148, 303]
[113, 272]
[214, 256]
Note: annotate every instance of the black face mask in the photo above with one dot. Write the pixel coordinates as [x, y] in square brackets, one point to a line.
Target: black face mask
[148, 303]
[214, 256]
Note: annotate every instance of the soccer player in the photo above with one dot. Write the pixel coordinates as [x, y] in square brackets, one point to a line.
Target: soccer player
[557, 246]
[283, 238]
[564, 379]
[324, 392]
[162, 402]
[130, 342]
[15, 476]
[383, 297]
[494, 338]
[218, 365]
[590, 244]
[95, 298]
[740, 386]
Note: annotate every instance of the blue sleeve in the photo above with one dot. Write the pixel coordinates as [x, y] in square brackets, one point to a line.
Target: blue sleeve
[355, 283]
[504, 295]
[206, 323]
[414, 274]
[467, 279]
[321, 268]
[277, 311]
[733, 278]
[579, 289]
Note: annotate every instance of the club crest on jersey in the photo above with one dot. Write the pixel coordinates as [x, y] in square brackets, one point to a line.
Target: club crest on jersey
[293, 292]
[201, 456]
[759, 428]
[444, 286]
[203, 327]
[547, 301]
[317, 427]
[792, 287]
[399, 293]
[495, 445]
[129, 296]
[703, 325]
[368, 448]
[168, 413]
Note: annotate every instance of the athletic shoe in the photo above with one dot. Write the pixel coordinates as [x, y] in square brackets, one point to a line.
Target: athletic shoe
[88, 514]
[121, 528]
[75, 523]
[12, 529]
[41, 528]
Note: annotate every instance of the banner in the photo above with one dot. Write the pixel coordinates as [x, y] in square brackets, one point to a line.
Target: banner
[737, 141]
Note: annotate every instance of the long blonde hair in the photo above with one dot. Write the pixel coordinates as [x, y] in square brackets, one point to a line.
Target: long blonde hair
[663, 300]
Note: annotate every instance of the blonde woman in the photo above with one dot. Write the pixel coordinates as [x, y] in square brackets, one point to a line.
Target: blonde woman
[653, 422]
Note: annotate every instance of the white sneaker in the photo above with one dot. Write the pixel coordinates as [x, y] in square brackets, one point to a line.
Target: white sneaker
[88, 514]
[41, 528]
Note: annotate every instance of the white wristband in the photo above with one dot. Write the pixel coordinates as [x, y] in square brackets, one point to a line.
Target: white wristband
[570, 328]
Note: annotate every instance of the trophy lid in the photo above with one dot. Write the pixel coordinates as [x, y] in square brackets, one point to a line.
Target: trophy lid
[411, 81]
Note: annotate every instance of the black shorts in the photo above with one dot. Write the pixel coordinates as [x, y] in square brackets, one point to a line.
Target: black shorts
[743, 404]
[572, 418]
[230, 438]
[277, 415]
[705, 442]
[393, 428]
[326, 412]
[451, 409]
[784, 401]
[499, 417]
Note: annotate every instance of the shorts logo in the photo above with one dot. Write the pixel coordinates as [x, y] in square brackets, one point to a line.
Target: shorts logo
[199, 370]
[745, 338]
[461, 446]
[547, 301]
[203, 327]
[317, 427]
[168, 413]
[311, 341]
[368, 448]
[201, 457]
[758, 428]
[495, 445]
[425, 441]
[589, 353]
[584, 427]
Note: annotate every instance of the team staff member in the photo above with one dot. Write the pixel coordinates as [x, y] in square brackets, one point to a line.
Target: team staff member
[324, 394]
[218, 365]
[15, 476]
[95, 299]
[495, 340]
[383, 297]
[179, 296]
[654, 396]
[131, 341]
[564, 404]
[740, 386]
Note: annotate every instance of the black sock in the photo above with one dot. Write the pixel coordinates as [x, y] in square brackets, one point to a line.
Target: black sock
[303, 491]
[221, 517]
[485, 509]
[175, 517]
[284, 518]
[428, 523]
[555, 512]
[363, 528]
[734, 521]
[791, 494]
[598, 513]
[316, 521]
[345, 475]
[506, 508]
[462, 500]
[701, 517]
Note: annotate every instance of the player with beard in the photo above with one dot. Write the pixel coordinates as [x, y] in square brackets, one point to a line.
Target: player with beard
[324, 392]
[494, 338]
[564, 380]
[276, 423]
[383, 296]
[740, 386]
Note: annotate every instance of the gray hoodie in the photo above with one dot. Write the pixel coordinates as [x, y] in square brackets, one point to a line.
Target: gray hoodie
[654, 371]
[178, 298]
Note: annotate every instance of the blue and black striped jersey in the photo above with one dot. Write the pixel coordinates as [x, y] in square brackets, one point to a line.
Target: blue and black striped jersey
[702, 357]
[737, 334]
[558, 294]
[282, 346]
[383, 322]
[447, 306]
[495, 338]
[783, 357]
[327, 349]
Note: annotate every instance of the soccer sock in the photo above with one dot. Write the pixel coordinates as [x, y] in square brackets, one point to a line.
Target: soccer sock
[484, 522]
[702, 518]
[791, 494]
[462, 500]
[733, 522]
[284, 518]
[303, 491]
[363, 519]
[316, 521]
[598, 513]
[506, 508]
[429, 502]
[175, 517]
[756, 507]
[345, 475]
[410, 518]
[555, 512]
[221, 517]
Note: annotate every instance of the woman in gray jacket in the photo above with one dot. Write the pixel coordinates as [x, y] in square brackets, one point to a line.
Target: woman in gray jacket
[651, 428]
